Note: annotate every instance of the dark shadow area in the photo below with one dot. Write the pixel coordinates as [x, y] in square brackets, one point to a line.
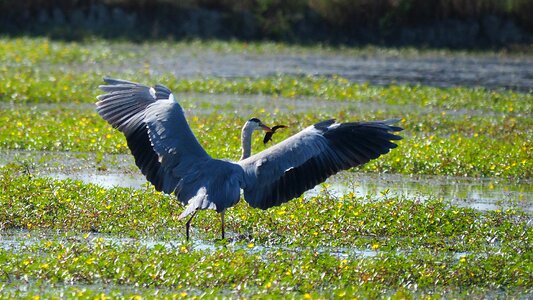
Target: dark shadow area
[461, 24]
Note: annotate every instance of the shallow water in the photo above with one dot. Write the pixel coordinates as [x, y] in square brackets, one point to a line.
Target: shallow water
[478, 193]
[204, 103]
[18, 239]
[442, 71]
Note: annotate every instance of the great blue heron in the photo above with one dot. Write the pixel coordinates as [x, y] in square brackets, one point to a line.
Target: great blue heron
[169, 155]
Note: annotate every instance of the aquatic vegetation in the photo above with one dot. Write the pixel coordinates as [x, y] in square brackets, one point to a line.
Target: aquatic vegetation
[293, 249]
[233, 271]
[434, 143]
[338, 88]
[34, 86]
[69, 239]
[331, 221]
[26, 52]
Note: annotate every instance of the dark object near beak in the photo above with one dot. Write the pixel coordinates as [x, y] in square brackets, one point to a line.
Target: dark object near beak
[268, 135]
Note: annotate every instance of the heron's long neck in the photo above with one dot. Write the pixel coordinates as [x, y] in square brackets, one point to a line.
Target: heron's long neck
[246, 142]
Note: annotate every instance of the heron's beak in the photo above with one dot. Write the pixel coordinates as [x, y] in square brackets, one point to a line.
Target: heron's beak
[265, 128]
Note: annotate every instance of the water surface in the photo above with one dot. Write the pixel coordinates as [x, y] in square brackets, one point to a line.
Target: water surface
[120, 170]
[480, 194]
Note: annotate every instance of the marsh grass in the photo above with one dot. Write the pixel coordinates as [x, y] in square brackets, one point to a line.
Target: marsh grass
[449, 131]
[224, 270]
[73, 246]
[434, 144]
[32, 86]
[324, 220]
[422, 247]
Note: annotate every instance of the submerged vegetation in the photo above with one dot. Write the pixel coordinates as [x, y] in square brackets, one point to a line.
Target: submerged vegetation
[69, 239]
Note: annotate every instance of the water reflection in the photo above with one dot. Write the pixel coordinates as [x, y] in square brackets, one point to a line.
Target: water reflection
[108, 180]
[480, 194]
[477, 193]
[17, 240]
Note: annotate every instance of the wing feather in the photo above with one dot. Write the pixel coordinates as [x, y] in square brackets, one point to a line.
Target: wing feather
[165, 149]
[288, 169]
[170, 134]
[134, 109]
[123, 107]
[162, 92]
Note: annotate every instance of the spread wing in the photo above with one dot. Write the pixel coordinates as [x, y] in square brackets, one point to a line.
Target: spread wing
[288, 169]
[156, 130]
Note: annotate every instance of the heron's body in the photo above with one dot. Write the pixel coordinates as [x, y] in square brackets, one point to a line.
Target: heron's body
[169, 155]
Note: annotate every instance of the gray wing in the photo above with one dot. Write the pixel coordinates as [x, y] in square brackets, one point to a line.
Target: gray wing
[288, 169]
[155, 128]
[195, 178]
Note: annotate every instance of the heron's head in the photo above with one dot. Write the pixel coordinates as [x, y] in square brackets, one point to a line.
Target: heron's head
[256, 124]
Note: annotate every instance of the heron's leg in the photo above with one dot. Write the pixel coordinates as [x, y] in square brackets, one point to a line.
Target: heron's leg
[188, 224]
[222, 223]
